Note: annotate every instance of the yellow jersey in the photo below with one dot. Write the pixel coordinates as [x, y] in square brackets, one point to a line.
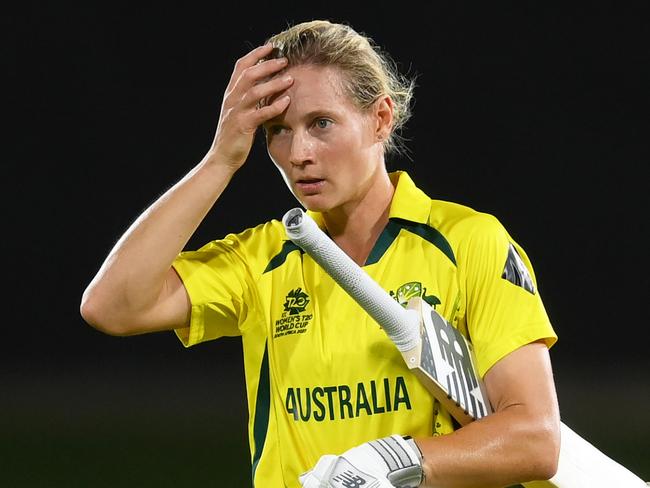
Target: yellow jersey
[321, 376]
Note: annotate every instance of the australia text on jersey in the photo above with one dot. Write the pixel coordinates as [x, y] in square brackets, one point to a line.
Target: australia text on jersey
[338, 402]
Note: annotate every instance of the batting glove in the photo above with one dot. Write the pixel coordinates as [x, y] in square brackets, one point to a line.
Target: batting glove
[393, 461]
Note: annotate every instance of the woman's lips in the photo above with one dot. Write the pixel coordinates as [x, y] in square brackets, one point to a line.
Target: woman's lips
[310, 186]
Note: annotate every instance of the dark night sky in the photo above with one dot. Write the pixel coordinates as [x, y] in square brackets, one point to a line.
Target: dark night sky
[537, 115]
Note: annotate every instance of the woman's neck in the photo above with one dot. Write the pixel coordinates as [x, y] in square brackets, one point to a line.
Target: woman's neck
[356, 226]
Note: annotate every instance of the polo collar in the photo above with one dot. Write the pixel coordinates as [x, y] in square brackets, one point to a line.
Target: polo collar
[409, 202]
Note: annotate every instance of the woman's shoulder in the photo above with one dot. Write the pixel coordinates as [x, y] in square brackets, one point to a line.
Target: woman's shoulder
[453, 216]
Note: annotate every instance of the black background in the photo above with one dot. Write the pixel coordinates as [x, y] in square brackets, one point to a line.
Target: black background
[538, 115]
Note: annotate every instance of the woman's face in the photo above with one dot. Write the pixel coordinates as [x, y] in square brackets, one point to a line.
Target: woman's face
[328, 151]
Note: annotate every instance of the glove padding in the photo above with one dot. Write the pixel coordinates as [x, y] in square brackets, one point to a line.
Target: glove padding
[390, 462]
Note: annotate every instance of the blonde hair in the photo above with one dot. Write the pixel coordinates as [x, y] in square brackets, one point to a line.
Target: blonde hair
[369, 73]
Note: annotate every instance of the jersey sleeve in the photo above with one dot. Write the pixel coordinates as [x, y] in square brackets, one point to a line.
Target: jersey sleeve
[217, 280]
[504, 310]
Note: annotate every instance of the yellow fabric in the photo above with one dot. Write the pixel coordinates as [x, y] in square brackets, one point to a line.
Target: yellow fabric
[321, 375]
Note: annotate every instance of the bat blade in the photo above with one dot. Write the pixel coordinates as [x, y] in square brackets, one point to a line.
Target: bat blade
[446, 366]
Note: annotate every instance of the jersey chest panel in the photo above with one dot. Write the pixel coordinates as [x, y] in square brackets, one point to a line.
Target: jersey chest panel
[336, 379]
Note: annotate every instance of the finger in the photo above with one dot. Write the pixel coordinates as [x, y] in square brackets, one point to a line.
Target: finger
[270, 111]
[259, 73]
[250, 59]
[262, 94]
[266, 68]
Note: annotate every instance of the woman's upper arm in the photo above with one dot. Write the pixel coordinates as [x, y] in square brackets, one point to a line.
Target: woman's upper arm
[175, 306]
[524, 379]
[170, 311]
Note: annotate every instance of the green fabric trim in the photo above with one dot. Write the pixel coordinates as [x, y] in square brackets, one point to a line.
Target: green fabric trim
[262, 409]
[390, 232]
[386, 238]
[280, 258]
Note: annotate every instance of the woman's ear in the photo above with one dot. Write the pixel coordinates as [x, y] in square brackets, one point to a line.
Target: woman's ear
[383, 114]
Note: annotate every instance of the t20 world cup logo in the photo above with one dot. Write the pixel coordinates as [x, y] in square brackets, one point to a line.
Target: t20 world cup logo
[296, 301]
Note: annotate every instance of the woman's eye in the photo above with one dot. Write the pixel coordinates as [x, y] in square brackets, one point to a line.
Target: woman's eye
[323, 123]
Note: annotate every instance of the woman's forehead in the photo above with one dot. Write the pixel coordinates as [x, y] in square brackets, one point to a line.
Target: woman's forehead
[318, 77]
[318, 84]
[316, 91]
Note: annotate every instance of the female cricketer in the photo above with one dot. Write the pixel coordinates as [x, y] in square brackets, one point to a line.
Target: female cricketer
[330, 399]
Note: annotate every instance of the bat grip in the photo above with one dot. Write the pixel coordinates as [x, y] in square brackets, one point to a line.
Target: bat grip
[401, 325]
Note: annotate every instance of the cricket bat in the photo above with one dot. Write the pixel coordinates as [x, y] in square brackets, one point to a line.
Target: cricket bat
[443, 360]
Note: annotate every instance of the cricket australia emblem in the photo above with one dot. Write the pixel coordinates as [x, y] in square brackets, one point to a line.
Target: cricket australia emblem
[413, 289]
[295, 319]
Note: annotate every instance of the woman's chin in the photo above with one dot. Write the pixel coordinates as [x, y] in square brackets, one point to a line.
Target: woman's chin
[314, 203]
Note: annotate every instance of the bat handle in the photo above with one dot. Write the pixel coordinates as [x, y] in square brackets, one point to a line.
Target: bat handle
[401, 325]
